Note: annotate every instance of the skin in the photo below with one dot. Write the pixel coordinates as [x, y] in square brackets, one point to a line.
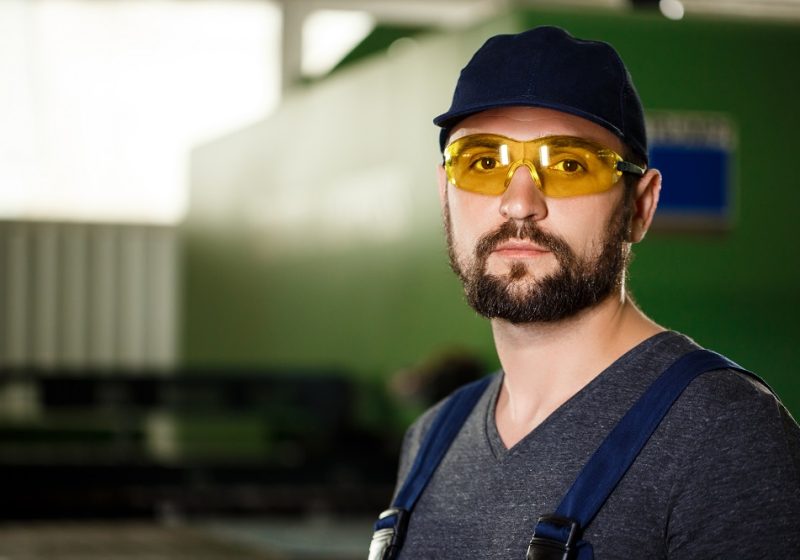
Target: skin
[545, 364]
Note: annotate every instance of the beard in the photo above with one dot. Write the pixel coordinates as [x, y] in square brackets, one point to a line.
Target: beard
[577, 284]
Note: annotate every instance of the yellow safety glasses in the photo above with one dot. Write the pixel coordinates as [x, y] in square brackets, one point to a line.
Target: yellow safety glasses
[561, 166]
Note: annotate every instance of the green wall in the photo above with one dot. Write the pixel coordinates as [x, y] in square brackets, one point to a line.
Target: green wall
[377, 307]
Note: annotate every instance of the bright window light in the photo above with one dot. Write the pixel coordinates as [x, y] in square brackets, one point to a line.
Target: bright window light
[672, 9]
[105, 100]
[328, 35]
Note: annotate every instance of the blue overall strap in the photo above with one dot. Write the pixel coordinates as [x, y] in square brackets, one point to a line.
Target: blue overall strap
[558, 536]
[390, 527]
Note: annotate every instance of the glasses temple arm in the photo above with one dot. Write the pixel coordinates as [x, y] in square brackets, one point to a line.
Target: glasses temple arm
[628, 167]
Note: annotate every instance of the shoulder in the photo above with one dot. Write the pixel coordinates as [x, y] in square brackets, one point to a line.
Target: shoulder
[727, 451]
[728, 425]
[416, 433]
[731, 407]
[737, 453]
[716, 393]
[734, 417]
[731, 403]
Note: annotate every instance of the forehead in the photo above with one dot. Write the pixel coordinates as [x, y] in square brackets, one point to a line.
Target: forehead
[528, 123]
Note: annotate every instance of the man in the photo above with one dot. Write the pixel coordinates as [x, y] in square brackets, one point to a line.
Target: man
[544, 187]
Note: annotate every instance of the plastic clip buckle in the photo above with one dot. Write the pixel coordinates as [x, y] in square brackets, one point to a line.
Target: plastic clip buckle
[547, 548]
[386, 541]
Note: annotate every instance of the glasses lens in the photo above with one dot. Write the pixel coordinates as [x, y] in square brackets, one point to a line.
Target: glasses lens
[572, 167]
[565, 166]
[480, 162]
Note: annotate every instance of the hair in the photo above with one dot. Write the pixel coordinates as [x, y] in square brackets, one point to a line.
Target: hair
[631, 179]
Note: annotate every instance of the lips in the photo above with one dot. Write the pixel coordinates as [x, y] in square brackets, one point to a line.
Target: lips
[519, 247]
[527, 240]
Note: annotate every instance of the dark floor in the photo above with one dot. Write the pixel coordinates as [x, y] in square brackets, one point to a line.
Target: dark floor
[267, 539]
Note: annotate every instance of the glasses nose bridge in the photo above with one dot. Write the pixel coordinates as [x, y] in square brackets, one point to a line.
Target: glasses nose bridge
[530, 165]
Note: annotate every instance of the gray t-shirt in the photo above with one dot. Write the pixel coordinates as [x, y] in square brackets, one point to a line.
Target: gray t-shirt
[720, 477]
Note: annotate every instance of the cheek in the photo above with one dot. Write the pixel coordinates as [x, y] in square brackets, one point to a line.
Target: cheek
[472, 216]
[582, 221]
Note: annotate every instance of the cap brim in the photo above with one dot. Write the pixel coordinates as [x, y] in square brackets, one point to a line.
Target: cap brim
[449, 119]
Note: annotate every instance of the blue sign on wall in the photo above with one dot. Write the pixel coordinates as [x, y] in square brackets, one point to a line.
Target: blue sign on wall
[695, 154]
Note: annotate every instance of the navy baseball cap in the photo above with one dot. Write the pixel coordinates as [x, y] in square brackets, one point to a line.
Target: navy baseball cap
[547, 67]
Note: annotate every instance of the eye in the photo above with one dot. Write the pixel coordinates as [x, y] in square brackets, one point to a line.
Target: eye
[485, 163]
[569, 166]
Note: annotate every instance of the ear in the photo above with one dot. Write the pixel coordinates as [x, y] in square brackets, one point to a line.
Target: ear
[441, 179]
[645, 202]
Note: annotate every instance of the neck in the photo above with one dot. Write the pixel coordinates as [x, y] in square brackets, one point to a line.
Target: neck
[545, 364]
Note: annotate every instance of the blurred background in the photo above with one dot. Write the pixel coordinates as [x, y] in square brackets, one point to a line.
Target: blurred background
[224, 291]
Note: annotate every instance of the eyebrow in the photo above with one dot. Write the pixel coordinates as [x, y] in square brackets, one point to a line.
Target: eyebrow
[486, 139]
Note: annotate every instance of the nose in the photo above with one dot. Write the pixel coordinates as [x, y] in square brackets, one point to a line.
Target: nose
[523, 198]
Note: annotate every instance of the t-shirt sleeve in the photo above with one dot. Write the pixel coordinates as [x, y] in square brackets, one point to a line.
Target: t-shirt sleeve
[738, 495]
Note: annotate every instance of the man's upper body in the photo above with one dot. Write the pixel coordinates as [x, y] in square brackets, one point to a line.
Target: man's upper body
[544, 188]
[718, 478]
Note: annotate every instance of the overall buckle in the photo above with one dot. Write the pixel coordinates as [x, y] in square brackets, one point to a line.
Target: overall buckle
[390, 529]
[547, 542]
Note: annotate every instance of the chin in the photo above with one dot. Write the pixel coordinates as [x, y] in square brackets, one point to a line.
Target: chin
[519, 273]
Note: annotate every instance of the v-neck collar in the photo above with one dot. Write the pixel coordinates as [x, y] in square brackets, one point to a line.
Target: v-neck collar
[495, 442]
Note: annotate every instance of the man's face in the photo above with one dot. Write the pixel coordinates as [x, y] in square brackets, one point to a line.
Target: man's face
[524, 257]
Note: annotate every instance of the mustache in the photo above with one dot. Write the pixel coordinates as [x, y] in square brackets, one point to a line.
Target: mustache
[529, 230]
